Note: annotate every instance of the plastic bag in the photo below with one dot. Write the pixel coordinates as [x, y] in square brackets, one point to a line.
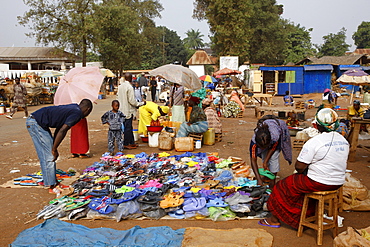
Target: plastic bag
[355, 195]
[351, 237]
[128, 210]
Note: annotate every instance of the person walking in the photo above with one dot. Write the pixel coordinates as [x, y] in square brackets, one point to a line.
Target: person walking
[114, 118]
[153, 88]
[19, 99]
[61, 118]
[128, 106]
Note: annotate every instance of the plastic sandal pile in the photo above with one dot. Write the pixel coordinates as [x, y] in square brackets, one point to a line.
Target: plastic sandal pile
[186, 186]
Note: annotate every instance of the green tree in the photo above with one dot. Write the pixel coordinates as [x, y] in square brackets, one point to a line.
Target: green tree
[298, 43]
[125, 31]
[362, 35]
[194, 39]
[250, 29]
[334, 44]
[65, 24]
[117, 37]
[267, 42]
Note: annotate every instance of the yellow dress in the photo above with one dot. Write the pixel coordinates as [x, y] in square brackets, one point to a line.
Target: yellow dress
[147, 113]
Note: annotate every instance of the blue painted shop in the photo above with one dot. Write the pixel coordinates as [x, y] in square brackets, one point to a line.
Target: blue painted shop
[299, 79]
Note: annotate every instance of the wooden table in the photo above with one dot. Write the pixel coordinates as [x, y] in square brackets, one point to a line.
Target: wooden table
[263, 97]
[262, 110]
[353, 136]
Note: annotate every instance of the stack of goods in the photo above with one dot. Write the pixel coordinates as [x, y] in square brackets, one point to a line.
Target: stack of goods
[186, 186]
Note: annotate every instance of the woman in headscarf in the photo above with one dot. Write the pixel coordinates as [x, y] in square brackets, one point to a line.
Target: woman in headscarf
[197, 121]
[150, 112]
[234, 107]
[320, 166]
[212, 117]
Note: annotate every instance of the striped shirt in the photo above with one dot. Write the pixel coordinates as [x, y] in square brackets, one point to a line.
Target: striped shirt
[177, 95]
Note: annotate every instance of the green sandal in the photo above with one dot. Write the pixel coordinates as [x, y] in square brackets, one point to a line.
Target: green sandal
[266, 173]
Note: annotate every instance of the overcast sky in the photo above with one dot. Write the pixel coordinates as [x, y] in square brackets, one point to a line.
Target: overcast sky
[324, 16]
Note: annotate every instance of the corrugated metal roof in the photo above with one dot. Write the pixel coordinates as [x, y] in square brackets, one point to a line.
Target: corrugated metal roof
[349, 59]
[200, 57]
[362, 51]
[318, 67]
[35, 53]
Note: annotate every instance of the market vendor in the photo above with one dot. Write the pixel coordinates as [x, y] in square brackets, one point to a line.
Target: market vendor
[320, 166]
[355, 110]
[150, 112]
[212, 117]
[234, 107]
[3, 98]
[197, 121]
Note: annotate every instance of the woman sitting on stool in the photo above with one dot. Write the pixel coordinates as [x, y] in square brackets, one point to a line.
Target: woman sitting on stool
[197, 121]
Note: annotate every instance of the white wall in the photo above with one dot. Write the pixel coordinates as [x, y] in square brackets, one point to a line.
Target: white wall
[198, 69]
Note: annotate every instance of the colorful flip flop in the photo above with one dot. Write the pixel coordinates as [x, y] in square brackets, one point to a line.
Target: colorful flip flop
[217, 202]
[266, 173]
[264, 222]
[77, 204]
[193, 204]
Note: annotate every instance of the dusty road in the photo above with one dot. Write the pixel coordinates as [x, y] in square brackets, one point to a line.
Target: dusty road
[21, 205]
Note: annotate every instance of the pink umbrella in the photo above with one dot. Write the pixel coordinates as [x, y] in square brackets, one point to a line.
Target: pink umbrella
[227, 71]
[78, 84]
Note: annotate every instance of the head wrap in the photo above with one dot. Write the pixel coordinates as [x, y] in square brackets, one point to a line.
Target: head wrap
[327, 90]
[356, 102]
[196, 100]
[207, 101]
[327, 118]
[165, 109]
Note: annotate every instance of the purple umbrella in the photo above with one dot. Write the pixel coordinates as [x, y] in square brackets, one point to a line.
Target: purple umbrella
[355, 72]
[355, 77]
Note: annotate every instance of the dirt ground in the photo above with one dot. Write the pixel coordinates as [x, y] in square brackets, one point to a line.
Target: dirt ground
[18, 206]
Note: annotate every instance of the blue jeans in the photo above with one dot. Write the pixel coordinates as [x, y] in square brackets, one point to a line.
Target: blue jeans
[43, 142]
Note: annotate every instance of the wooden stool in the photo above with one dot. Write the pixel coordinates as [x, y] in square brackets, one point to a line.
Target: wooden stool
[329, 207]
[240, 114]
[317, 221]
[218, 137]
[298, 144]
[196, 136]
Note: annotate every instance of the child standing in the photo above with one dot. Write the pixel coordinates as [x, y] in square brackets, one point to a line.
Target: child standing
[114, 118]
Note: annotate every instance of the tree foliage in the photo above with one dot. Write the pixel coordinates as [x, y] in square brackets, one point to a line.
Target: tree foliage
[334, 44]
[194, 39]
[298, 43]
[172, 47]
[118, 29]
[117, 37]
[63, 23]
[249, 29]
[362, 35]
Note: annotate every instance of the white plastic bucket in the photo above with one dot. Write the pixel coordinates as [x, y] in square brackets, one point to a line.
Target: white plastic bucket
[136, 134]
[198, 144]
[153, 139]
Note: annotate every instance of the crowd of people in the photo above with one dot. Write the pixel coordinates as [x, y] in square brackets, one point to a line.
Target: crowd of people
[321, 164]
